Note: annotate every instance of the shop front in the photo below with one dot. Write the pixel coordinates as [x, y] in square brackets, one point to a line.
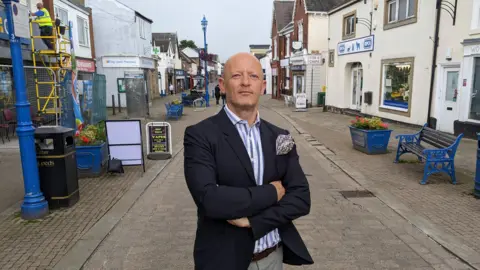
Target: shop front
[115, 67]
[462, 107]
[180, 80]
[275, 80]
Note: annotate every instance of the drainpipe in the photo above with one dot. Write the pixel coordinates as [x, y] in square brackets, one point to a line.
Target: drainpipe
[434, 60]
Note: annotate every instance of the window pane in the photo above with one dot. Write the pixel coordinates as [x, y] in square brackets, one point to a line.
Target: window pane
[81, 31]
[392, 11]
[411, 8]
[452, 85]
[396, 85]
[475, 97]
[402, 9]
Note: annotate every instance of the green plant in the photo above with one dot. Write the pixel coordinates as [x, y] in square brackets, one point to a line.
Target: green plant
[92, 135]
[373, 123]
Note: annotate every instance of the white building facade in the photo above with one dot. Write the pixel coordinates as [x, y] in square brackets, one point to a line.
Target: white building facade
[379, 71]
[266, 62]
[123, 39]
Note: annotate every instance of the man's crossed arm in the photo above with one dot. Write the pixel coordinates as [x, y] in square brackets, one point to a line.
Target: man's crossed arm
[263, 208]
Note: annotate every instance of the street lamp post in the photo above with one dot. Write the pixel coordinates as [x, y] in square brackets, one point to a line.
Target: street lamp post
[205, 59]
[34, 204]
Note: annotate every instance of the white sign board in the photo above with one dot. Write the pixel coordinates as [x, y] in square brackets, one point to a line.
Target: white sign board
[314, 59]
[20, 20]
[284, 62]
[120, 61]
[125, 141]
[301, 101]
[358, 45]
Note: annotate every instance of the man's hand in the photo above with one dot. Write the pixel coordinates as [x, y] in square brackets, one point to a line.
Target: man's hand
[241, 222]
[280, 189]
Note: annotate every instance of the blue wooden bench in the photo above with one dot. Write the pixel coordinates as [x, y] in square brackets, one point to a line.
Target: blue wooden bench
[438, 158]
[173, 111]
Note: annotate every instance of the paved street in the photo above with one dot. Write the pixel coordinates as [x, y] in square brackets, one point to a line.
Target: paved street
[41, 244]
[356, 233]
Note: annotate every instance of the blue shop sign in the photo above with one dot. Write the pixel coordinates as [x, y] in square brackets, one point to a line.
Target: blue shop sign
[358, 45]
[179, 72]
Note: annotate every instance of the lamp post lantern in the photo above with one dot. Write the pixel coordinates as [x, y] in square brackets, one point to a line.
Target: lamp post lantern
[34, 204]
[205, 59]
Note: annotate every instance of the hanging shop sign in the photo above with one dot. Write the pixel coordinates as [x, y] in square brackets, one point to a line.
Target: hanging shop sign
[358, 45]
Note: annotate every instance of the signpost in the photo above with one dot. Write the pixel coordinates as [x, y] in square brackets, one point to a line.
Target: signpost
[301, 102]
[159, 140]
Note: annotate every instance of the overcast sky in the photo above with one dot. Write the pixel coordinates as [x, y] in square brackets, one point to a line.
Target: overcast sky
[232, 25]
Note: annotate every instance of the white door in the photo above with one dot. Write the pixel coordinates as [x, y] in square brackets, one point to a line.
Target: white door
[357, 85]
[448, 111]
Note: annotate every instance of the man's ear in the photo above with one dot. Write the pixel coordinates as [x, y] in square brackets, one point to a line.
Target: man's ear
[221, 83]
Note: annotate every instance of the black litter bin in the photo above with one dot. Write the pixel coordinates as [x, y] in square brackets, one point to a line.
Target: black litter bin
[57, 165]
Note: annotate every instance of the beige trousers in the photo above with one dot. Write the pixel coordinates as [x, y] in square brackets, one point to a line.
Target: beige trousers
[274, 261]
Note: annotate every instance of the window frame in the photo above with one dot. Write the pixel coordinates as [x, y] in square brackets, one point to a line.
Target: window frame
[475, 22]
[56, 10]
[85, 29]
[346, 16]
[300, 33]
[392, 109]
[389, 24]
[331, 58]
[141, 24]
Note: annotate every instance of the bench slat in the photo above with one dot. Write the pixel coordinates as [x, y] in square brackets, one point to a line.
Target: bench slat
[436, 139]
[441, 134]
[417, 149]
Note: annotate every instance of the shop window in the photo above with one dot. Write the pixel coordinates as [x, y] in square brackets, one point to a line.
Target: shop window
[475, 95]
[396, 86]
[475, 23]
[7, 96]
[349, 26]
[400, 12]
[331, 58]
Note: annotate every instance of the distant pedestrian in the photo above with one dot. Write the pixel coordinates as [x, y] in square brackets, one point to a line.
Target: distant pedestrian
[217, 94]
[171, 89]
[224, 96]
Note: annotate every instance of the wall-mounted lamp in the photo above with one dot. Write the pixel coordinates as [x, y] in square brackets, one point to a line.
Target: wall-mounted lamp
[375, 4]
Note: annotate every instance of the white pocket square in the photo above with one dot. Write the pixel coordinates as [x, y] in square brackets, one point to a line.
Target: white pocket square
[285, 144]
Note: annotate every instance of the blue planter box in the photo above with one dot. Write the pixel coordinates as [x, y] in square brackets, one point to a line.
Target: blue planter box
[91, 159]
[370, 141]
[476, 190]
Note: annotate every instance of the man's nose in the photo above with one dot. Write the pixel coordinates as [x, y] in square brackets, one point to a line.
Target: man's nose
[245, 79]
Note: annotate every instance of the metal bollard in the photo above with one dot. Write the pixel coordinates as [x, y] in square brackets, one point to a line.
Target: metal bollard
[113, 104]
[119, 104]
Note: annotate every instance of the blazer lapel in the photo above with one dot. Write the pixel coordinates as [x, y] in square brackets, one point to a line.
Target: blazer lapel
[234, 140]
[269, 154]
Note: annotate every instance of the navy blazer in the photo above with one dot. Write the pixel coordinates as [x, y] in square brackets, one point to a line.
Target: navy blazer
[220, 178]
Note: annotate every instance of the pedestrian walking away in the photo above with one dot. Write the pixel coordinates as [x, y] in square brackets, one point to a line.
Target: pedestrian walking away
[217, 94]
[171, 89]
[224, 97]
[245, 177]
[45, 24]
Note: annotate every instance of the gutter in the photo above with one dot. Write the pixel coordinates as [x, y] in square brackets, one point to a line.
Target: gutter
[343, 6]
[434, 61]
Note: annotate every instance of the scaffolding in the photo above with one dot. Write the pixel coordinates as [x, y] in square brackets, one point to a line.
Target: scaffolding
[58, 61]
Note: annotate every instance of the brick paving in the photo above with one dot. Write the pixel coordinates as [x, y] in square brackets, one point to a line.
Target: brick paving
[361, 233]
[450, 207]
[41, 244]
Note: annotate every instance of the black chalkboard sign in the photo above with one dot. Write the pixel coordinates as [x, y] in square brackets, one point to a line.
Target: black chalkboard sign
[159, 139]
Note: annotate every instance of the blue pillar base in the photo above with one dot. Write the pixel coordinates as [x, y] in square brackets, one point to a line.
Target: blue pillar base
[34, 207]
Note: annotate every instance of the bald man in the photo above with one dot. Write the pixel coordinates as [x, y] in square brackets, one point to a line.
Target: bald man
[248, 188]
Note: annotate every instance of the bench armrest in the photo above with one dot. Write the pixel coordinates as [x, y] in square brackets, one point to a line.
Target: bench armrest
[439, 154]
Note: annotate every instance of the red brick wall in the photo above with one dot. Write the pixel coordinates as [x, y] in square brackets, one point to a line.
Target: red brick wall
[300, 15]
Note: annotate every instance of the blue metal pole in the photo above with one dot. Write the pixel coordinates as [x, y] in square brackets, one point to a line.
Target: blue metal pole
[207, 94]
[34, 204]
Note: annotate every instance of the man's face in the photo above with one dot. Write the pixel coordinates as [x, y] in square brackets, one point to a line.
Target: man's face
[39, 6]
[243, 81]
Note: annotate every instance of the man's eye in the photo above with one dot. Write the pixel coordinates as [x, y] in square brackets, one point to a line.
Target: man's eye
[254, 76]
[235, 76]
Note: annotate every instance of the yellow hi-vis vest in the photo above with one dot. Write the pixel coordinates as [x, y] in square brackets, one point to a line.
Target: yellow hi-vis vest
[44, 20]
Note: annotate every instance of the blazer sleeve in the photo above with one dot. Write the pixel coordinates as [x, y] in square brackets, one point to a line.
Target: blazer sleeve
[219, 202]
[294, 204]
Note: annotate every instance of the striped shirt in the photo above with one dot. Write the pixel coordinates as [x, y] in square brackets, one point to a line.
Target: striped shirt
[253, 143]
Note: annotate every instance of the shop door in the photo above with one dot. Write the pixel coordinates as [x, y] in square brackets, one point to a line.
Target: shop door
[299, 84]
[448, 100]
[357, 85]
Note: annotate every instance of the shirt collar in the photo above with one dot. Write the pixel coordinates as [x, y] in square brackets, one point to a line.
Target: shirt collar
[237, 120]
